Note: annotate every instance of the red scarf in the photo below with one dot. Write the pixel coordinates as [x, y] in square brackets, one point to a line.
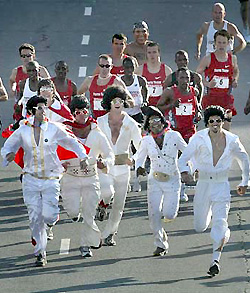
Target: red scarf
[78, 125]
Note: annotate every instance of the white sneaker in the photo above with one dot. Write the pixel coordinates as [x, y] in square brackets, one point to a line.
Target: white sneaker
[184, 197]
[50, 234]
[136, 185]
[85, 251]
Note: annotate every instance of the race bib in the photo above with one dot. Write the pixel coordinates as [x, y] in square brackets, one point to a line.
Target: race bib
[184, 109]
[97, 104]
[155, 90]
[222, 82]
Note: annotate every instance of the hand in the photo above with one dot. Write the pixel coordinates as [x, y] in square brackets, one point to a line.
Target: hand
[65, 165]
[129, 162]
[10, 157]
[241, 190]
[212, 83]
[84, 164]
[100, 164]
[186, 177]
[141, 171]
[197, 56]
[234, 83]
[176, 103]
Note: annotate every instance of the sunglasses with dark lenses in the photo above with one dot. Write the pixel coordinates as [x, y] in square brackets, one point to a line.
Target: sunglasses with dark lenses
[216, 120]
[82, 111]
[104, 65]
[26, 55]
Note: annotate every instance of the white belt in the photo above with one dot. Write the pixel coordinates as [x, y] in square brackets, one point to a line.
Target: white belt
[213, 177]
[78, 172]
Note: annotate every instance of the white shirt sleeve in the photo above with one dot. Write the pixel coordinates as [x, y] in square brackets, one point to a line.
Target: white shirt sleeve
[186, 155]
[13, 143]
[241, 156]
[141, 154]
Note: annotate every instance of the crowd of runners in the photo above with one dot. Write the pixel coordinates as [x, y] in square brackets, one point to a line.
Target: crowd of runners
[133, 114]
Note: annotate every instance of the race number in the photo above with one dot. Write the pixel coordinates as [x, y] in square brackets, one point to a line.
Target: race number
[97, 104]
[222, 82]
[184, 109]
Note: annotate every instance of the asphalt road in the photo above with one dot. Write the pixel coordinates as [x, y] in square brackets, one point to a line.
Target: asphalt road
[58, 28]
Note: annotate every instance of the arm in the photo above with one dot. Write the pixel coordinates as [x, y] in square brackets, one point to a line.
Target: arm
[236, 71]
[166, 101]
[181, 144]
[205, 62]
[199, 84]
[74, 88]
[12, 144]
[247, 107]
[199, 38]
[69, 141]
[108, 158]
[136, 134]
[168, 70]
[144, 89]
[44, 72]
[21, 87]
[85, 85]
[141, 154]
[233, 30]
[12, 82]
[135, 62]
[241, 155]
[3, 92]
[187, 154]
[168, 81]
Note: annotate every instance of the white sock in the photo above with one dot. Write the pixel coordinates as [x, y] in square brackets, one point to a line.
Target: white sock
[216, 255]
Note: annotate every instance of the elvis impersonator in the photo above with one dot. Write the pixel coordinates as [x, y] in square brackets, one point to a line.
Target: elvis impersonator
[120, 130]
[213, 150]
[81, 188]
[162, 146]
[42, 169]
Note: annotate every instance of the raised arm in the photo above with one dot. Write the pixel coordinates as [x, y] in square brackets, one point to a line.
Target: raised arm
[199, 38]
[233, 31]
[85, 85]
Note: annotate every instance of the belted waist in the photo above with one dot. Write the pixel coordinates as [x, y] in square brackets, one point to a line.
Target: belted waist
[42, 177]
[213, 177]
[121, 159]
[76, 171]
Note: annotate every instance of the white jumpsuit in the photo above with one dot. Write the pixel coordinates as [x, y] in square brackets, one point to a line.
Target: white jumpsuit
[81, 190]
[119, 174]
[212, 196]
[42, 171]
[163, 197]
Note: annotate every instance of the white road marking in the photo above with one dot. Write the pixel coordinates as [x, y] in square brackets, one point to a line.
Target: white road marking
[88, 11]
[84, 55]
[85, 39]
[64, 249]
[82, 71]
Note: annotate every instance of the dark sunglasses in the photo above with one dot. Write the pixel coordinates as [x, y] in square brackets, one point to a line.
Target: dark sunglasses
[26, 55]
[102, 65]
[216, 120]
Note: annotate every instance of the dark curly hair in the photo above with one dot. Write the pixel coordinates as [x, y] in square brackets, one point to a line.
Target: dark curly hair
[213, 111]
[79, 102]
[33, 102]
[153, 111]
[111, 93]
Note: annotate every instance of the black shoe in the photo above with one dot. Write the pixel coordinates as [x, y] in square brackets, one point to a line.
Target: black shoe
[214, 268]
[97, 247]
[109, 241]
[85, 251]
[40, 261]
[160, 251]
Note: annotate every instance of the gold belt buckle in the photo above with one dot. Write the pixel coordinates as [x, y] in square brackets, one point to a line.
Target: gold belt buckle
[162, 177]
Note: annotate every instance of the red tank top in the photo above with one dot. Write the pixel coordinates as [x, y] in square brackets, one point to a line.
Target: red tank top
[118, 70]
[154, 82]
[222, 72]
[184, 115]
[20, 75]
[65, 96]
[96, 94]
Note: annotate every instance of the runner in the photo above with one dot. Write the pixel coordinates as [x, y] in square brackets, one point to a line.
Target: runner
[162, 146]
[155, 72]
[97, 84]
[219, 23]
[221, 74]
[213, 150]
[138, 48]
[65, 87]
[42, 170]
[81, 188]
[120, 130]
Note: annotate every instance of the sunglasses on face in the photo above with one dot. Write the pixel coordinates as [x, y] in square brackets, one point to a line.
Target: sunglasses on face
[46, 89]
[105, 65]
[26, 55]
[216, 120]
[81, 111]
[44, 108]
[153, 120]
[117, 100]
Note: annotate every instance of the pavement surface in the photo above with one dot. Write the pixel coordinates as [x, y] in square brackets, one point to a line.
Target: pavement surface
[59, 29]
